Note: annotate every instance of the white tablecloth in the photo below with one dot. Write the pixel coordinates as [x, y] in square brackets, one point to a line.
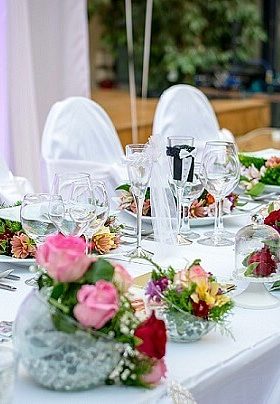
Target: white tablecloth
[217, 369]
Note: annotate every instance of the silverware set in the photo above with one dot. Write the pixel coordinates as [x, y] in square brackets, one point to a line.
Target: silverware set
[8, 275]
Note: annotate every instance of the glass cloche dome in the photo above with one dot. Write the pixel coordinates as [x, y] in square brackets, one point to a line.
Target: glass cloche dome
[257, 253]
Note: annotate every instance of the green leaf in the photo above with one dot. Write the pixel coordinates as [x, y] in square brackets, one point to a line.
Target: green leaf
[270, 207]
[247, 161]
[124, 187]
[100, 269]
[256, 190]
[243, 178]
[57, 291]
[62, 323]
[148, 194]
[251, 268]
[275, 286]
[59, 306]
[246, 259]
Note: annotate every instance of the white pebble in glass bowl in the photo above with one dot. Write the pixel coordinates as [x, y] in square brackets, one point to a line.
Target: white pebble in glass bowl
[257, 262]
[8, 366]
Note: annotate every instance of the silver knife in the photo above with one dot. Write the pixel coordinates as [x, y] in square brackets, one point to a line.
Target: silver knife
[7, 287]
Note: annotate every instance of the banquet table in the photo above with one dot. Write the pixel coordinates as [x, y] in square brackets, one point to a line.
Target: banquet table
[217, 369]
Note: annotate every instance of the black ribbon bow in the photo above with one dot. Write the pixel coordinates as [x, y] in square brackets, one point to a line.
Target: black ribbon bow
[174, 151]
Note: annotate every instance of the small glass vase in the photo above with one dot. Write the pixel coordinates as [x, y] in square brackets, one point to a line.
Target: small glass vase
[59, 360]
[184, 327]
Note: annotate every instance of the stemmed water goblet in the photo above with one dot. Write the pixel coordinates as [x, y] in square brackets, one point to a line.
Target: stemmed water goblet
[139, 167]
[78, 208]
[35, 219]
[179, 148]
[192, 191]
[101, 202]
[219, 173]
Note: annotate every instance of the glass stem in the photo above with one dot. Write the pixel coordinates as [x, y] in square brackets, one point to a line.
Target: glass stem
[88, 244]
[139, 202]
[221, 222]
[216, 235]
[179, 196]
[186, 218]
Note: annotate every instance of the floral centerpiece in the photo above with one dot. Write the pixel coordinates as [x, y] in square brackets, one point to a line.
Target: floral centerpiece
[80, 329]
[261, 263]
[192, 301]
[14, 242]
[204, 206]
[256, 172]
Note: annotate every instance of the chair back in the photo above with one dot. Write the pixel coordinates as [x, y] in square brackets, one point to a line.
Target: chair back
[183, 110]
[79, 131]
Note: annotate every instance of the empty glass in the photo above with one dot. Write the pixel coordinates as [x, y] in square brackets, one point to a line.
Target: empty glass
[35, 219]
[101, 203]
[192, 191]
[139, 167]
[179, 174]
[219, 173]
[78, 209]
[34, 216]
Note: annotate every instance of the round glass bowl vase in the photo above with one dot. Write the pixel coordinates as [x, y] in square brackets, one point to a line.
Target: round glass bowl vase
[59, 360]
[257, 262]
[184, 327]
[8, 370]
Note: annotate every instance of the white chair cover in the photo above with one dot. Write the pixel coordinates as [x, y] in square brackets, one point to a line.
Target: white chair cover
[79, 136]
[12, 189]
[184, 110]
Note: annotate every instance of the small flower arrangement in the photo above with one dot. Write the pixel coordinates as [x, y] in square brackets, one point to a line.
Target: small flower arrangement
[14, 242]
[273, 218]
[92, 295]
[108, 237]
[260, 263]
[204, 206]
[191, 290]
[257, 171]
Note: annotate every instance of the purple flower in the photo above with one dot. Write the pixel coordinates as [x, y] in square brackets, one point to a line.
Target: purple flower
[155, 289]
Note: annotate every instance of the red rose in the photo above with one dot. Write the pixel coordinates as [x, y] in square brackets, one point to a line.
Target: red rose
[152, 332]
[273, 220]
[200, 309]
[267, 265]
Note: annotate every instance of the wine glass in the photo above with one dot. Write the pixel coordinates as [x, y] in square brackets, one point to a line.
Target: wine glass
[78, 203]
[35, 219]
[192, 191]
[219, 173]
[101, 202]
[180, 174]
[139, 167]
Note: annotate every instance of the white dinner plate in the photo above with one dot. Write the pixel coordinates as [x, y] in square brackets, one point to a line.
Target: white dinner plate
[195, 222]
[17, 261]
[272, 188]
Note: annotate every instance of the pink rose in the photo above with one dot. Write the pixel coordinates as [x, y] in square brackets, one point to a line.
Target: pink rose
[157, 372]
[63, 257]
[122, 278]
[196, 272]
[97, 304]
